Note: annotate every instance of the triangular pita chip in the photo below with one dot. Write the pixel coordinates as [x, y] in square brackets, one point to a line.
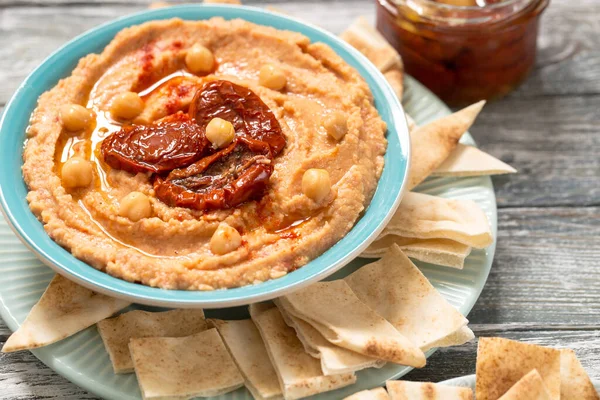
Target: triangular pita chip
[249, 353]
[412, 125]
[116, 332]
[470, 161]
[182, 368]
[575, 384]
[430, 217]
[334, 359]
[447, 253]
[431, 144]
[403, 390]
[396, 289]
[501, 363]
[395, 79]
[348, 322]
[373, 394]
[366, 39]
[299, 374]
[461, 336]
[530, 387]
[64, 309]
[258, 308]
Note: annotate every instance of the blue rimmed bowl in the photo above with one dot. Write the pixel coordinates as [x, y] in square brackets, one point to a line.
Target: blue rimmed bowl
[60, 64]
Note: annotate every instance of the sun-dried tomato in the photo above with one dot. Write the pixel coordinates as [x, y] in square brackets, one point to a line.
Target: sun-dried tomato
[172, 142]
[199, 176]
[239, 105]
[225, 179]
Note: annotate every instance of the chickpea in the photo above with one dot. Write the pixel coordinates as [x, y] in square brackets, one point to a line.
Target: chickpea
[316, 184]
[75, 117]
[225, 239]
[199, 59]
[220, 132]
[127, 105]
[76, 172]
[135, 206]
[335, 124]
[272, 77]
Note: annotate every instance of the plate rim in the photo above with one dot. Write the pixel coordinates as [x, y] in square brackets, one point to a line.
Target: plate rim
[309, 273]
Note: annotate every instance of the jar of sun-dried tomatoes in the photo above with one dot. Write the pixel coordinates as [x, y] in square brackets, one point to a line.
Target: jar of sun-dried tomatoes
[464, 50]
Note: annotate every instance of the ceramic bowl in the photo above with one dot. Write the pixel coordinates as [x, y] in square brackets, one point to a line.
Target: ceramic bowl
[60, 64]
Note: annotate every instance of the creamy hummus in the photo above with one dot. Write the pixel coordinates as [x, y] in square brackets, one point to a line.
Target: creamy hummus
[281, 231]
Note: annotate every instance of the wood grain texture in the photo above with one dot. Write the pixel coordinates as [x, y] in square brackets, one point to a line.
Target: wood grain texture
[546, 269]
[553, 142]
[24, 377]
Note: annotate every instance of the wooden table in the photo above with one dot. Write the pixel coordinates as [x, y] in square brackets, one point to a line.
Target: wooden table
[545, 283]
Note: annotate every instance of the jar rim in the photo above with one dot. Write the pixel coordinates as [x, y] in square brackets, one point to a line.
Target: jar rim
[454, 15]
[492, 6]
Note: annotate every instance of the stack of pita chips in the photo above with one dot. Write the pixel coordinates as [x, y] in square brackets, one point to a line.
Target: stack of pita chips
[386, 311]
[299, 374]
[250, 354]
[510, 370]
[397, 290]
[429, 228]
[506, 370]
[435, 152]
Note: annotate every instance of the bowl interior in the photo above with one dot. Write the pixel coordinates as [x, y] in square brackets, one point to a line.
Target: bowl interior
[13, 189]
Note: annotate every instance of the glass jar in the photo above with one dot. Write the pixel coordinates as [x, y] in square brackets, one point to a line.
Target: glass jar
[464, 50]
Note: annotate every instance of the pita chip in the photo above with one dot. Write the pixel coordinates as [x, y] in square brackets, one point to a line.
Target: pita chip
[470, 161]
[348, 322]
[575, 384]
[404, 390]
[423, 216]
[116, 332]
[501, 363]
[373, 394]
[461, 336]
[530, 387]
[366, 39]
[334, 359]
[299, 373]
[64, 309]
[158, 4]
[249, 353]
[431, 144]
[182, 368]
[396, 80]
[258, 308]
[397, 290]
[412, 125]
[445, 252]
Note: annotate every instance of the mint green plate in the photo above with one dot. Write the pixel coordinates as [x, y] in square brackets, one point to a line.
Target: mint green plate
[83, 360]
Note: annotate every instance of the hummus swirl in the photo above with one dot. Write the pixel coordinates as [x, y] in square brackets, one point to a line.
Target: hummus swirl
[281, 231]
